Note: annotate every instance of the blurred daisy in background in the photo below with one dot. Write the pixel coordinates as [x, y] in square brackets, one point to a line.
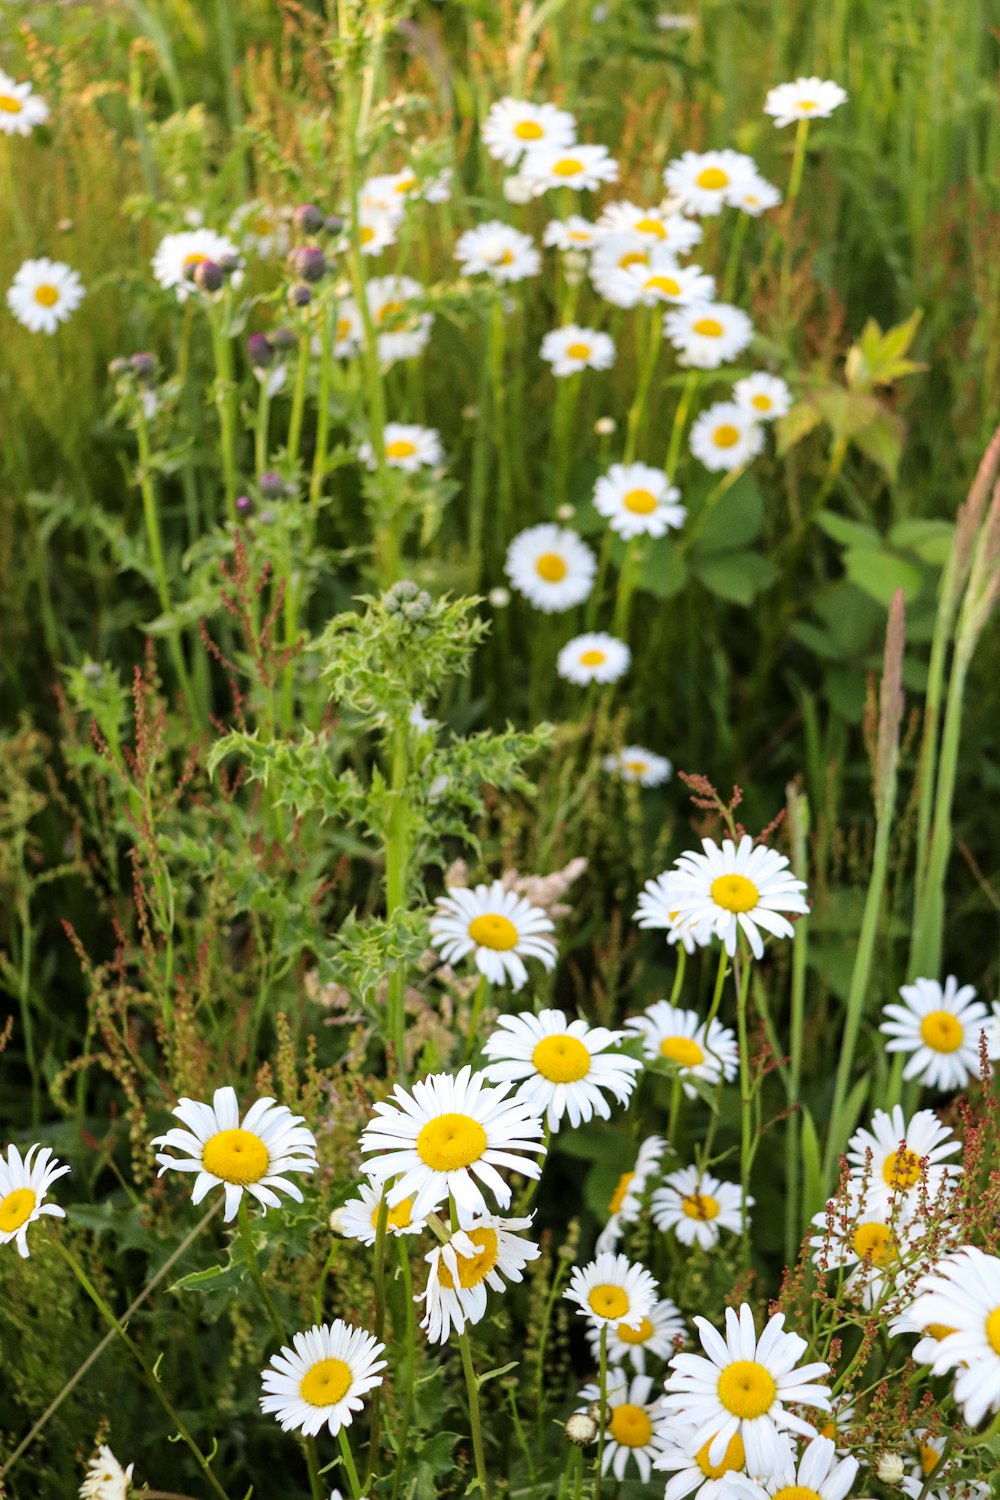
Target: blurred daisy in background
[575, 166]
[698, 1206]
[572, 349]
[638, 500]
[593, 657]
[671, 230]
[572, 233]
[625, 1205]
[657, 1335]
[764, 396]
[403, 331]
[805, 99]
[20, 108]
[376, 230]
[868, 1231]
[105, 1478]
[24, 1183]
[515, 125]
[685, 1458]
[706, 1051]
[551, 567]
[756, 196]
[654, 278]
[636, 1424]
[262, 229]
[495, 249]
[706, 181]
[498, 927]
[487, 1252]
[320, 1381]
[943, 1029]
[708, 334]
[635, 763]
[358, 1218]
[725, 437]
[43, 294]
[407, 446]
[738, 887]
[561, 1067]
[178, 254]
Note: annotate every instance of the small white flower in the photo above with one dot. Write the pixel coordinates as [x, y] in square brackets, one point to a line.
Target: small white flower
[593, 657]
[178, 254]
[261, 229]
[496, 250]
[638, 500]
[611, 1289]
[943, 1029]
[358, 1218]
[681, 1037]
[892, 1151]
[634, 763]
[818, 1475]
[43, 294]
[20, 109]
[105, 1478]
[572, 349]
[498, 927]
[687, 1461]
[708, 334]
[669, 229]
[805, 99]
[765, 397]
[705, 182]
[574, 166]
[320, 1380]
[514, 126]
[551, 567]
[517, 190]
[376, 230]
[573, 233]
[348, 330]
[725, 437]
[656, 1335]
[407, 446]
[24, 1183]
[866, 1230]
[697, 1206]
[402, 331]
[486, 1252]
[656, 911]
[626, 1200]
[420, 721]
[561, 1067]
[737, 888]
[637, 1427]
[756, 196]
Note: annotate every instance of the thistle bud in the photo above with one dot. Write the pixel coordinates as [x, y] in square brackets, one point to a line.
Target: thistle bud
[309, 262]
[207, 276]
[244, 505]
[271, 485]
[300, 295]
[334, 224]
[143, 366]
[283, 339]
[260, 351]
[308, 219]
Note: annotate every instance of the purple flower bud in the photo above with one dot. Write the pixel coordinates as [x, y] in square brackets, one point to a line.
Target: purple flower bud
[143, 366]
[308, 219]
[118, 367]
[300, 295]
[244, 505]
[309, 262]
[271, 486]
[334, 224]
[283, 339]
[208, 276]
[259, 351]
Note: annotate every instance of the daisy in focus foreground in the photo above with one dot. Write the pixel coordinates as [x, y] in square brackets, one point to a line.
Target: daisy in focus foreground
[320, 1380]
[961, 1300]
[43, 294]
[612, 1289]
[637, 1426]
[561, 1067]
[24, 1182]
[943, 1028]
[477, 1256]
[498, 927]
[737, 888]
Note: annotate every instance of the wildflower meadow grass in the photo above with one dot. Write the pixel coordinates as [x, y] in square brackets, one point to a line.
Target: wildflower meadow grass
[499, 554]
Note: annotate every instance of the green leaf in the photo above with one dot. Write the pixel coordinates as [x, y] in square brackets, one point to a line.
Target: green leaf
[736, 576]
[812, 1170]
[492, 1374]
[735, 522]
[848, 533]
[931, 540]
[880, 574]
[795, 425]
[882, 441]
[664, 572]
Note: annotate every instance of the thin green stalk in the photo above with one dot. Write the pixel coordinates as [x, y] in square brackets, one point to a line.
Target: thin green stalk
[791, 198]
[720, 979]
[397, 863]
[678, 983]
[500, 437]
[349, 1464]
[260, 433]
[735, 253]
[312, 1464]
[482, 989]
[152, 519]
[322, 415]
[799, 828]
[480, 460]
[602, 1424]
[250, 1250]
[299, 396]
[378, 1280]
[472, 1387]
[741, 979]
[567, 392]
[929, 920]
[680, 422]
[651, 355]
[691, 533]
[402, 1453]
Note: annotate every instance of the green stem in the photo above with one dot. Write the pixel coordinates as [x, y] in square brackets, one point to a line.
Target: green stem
[225, 400]
[397, 861]
[299, 397]
[260, 434]
[250, 1250]
[378, 1279]
[152, 519]
[482, 989]
[322, 417]
[602, 1425]
[312, 1464]
[680, 422]
[349, 1464]
[500, 440]
[741, 978]
[637, 411]
[799, 823]
[794, 184]
[929, 919]
[411, 1365]
[678, 983]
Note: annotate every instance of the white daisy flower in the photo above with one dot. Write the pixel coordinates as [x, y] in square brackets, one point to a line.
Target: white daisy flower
[248, 1156]
[697, 1206]
[498, 927]
[496, 250]
[513, 126]
[407, 446]
[561, 1067]
[743, 1387]
[446, 1133]
[656, 1335]
[924, 1350]
[572, 349]
[636, 1425]
[656, 911]
[20, 108]
[708, 334]
[951, 1489]
[43, 294]
[178, 254]
[706, 181]
[551, 567]
[262, 229]
[680, 1036]
[764, 396]
[388, 193]
[593, 657]
[866, 1230]
[626, 1200]
[943, 1029]
[756, 196]
[24, 1182]
[320, 1380]
[105, 1478]
[612, 1289]
[929, 1449]
[962, 1295]
[572, 233]
[573, 166]
[487, 1252]
[898, 1150]
[627, 272]
[348, 331]
[638, 500]
[843, 1414]
[634, 763]
[669, 229]
[376, 230]
[403, 333]
[358, 1219]
[737, 887]
[818, 1476]
[687, 1461]
[725, 437]
[805, 99]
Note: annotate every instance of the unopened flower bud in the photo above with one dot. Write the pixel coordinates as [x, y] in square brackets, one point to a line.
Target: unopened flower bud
[890, 1468]
[283, 338]
[499, 597]
[271, 485]
[93, 671]
[595, 1411]
[309, 262]
[207, 276]
[300, 295]
[260, 351]
[605, 426]
[334, 224]
[308, 219]
[143, 366]
[244, 505]
[118, 367]
[229, 264]
[581, 1428]
[470, 413]
[565, 512]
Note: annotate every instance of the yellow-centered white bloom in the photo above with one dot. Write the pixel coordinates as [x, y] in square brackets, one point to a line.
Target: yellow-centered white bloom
[43, 294]
[496, 250]
[949, 1488]
[571, 233]
[743, 1388]
[376, 230]
[252, 1155]
[756, 196]
[572, 349]
[348, 330]
[561, 1067]
[575, 166]
[635, 763]
[897, 1156]
[593, 657]
[551, 566]
[177, 255]
[943, 1029]
[657, 1335]
[20, 108]
[513, 126]
[638, 500]
[869, 1231]
[726, 436]
[612, 1289]
[320, 1381]
[449, 1135]
[706, 181]
[805, 99]
[764, 396]
[737, 888]
[105, 1478]
[961, 1300]
[687, 1462]
[625, 1206]
[656, 910]
[358, 1219]
[637, 1427]
[698, 1206]
[648, 276]
[486, 1252]
[261, 228]
[655, 225]
[706, 1051]
[708, 334]
[407, 446]
[24, 1182]
[818, 1475]
[498, 927]
[403, 332]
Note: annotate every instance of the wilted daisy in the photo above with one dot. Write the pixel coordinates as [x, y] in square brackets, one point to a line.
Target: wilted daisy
[403, 332]
[551, 567]
[572, 233]
[320, 1380]
[868, 1231]
[738, 887]
[805, 99]
[497, 926]
[497, 250]
[593, 657]
[43, 294]
[669, 229]
[705, 181]
[486, 1252]
[819, 1475]
[514, 125]
[574, 166]
[634, 763]
[24, 1182]
[407, 446]
[686, 1460]
[105, 1478]
[892, 1151]
[756, 196]
[358, 1219]
[726, 436]
[572, 349]
[638, 500]
[708, 334]
[561, 1067]
[636, 1424]
[962, 1295]
[707, 1052]
[742, 1389]
[249, 1156]
[612, 1289]
[656, 1335]
[943, 1029]
[261, 228]
[656, 910]
[178, 254]
[450, 1130]
[697, 1206]
[764, 396]
[626, 1200]
[20, 109]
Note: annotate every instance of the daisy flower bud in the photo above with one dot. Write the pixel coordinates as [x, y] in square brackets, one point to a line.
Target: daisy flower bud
[890, 1468]
[580, 1428]
[499, 598]
[605, 426]
[333, 224]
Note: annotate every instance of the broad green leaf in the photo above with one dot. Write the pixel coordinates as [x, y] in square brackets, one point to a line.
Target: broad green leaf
[848, 533]
[737, 520]
[880, 574]
[882, 441]
[664, 572]
[931, 540]
[736, 576]
[796, 424]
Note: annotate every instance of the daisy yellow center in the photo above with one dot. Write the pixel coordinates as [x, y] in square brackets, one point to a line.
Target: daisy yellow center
[928, 1458]
[938, 1330]
[400, 1217]
[237, 1156]
[592, 658]
[528, 130]
[712, 178]
[491, 930]
[637, 767]
[450, 1142]
[726, 436]
[796, 1492]
[651, 226]
[761, 402]
[808, 104]
[16, 1209]
[618, 1196]
[326, 1383]
[578, 351]
[640, 502]
[389, 310]
[633, 258]
[561, 1059]
[993, 1330]
[46, 295]
[608, 1301]
[700, 1206]
[746, 1389]
[10, 105]
[735, 893]
[551, 567]
[874, 1242]
[367, 234]
[709, 328]
[472, 1269]
[733, 1458]
[901, 1169]
[630, 1426]
[940, 1030]
[401, 448]
[343, 328]
[683, 1050]
[567, 166]
[668, 285]
[583, 235]
[405, 185]
[506, 258]
[828, 1430]
[261, 225]
[635, 1335]
[195, 258]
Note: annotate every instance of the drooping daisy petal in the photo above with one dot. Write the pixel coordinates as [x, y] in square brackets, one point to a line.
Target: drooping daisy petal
[486, 1252]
